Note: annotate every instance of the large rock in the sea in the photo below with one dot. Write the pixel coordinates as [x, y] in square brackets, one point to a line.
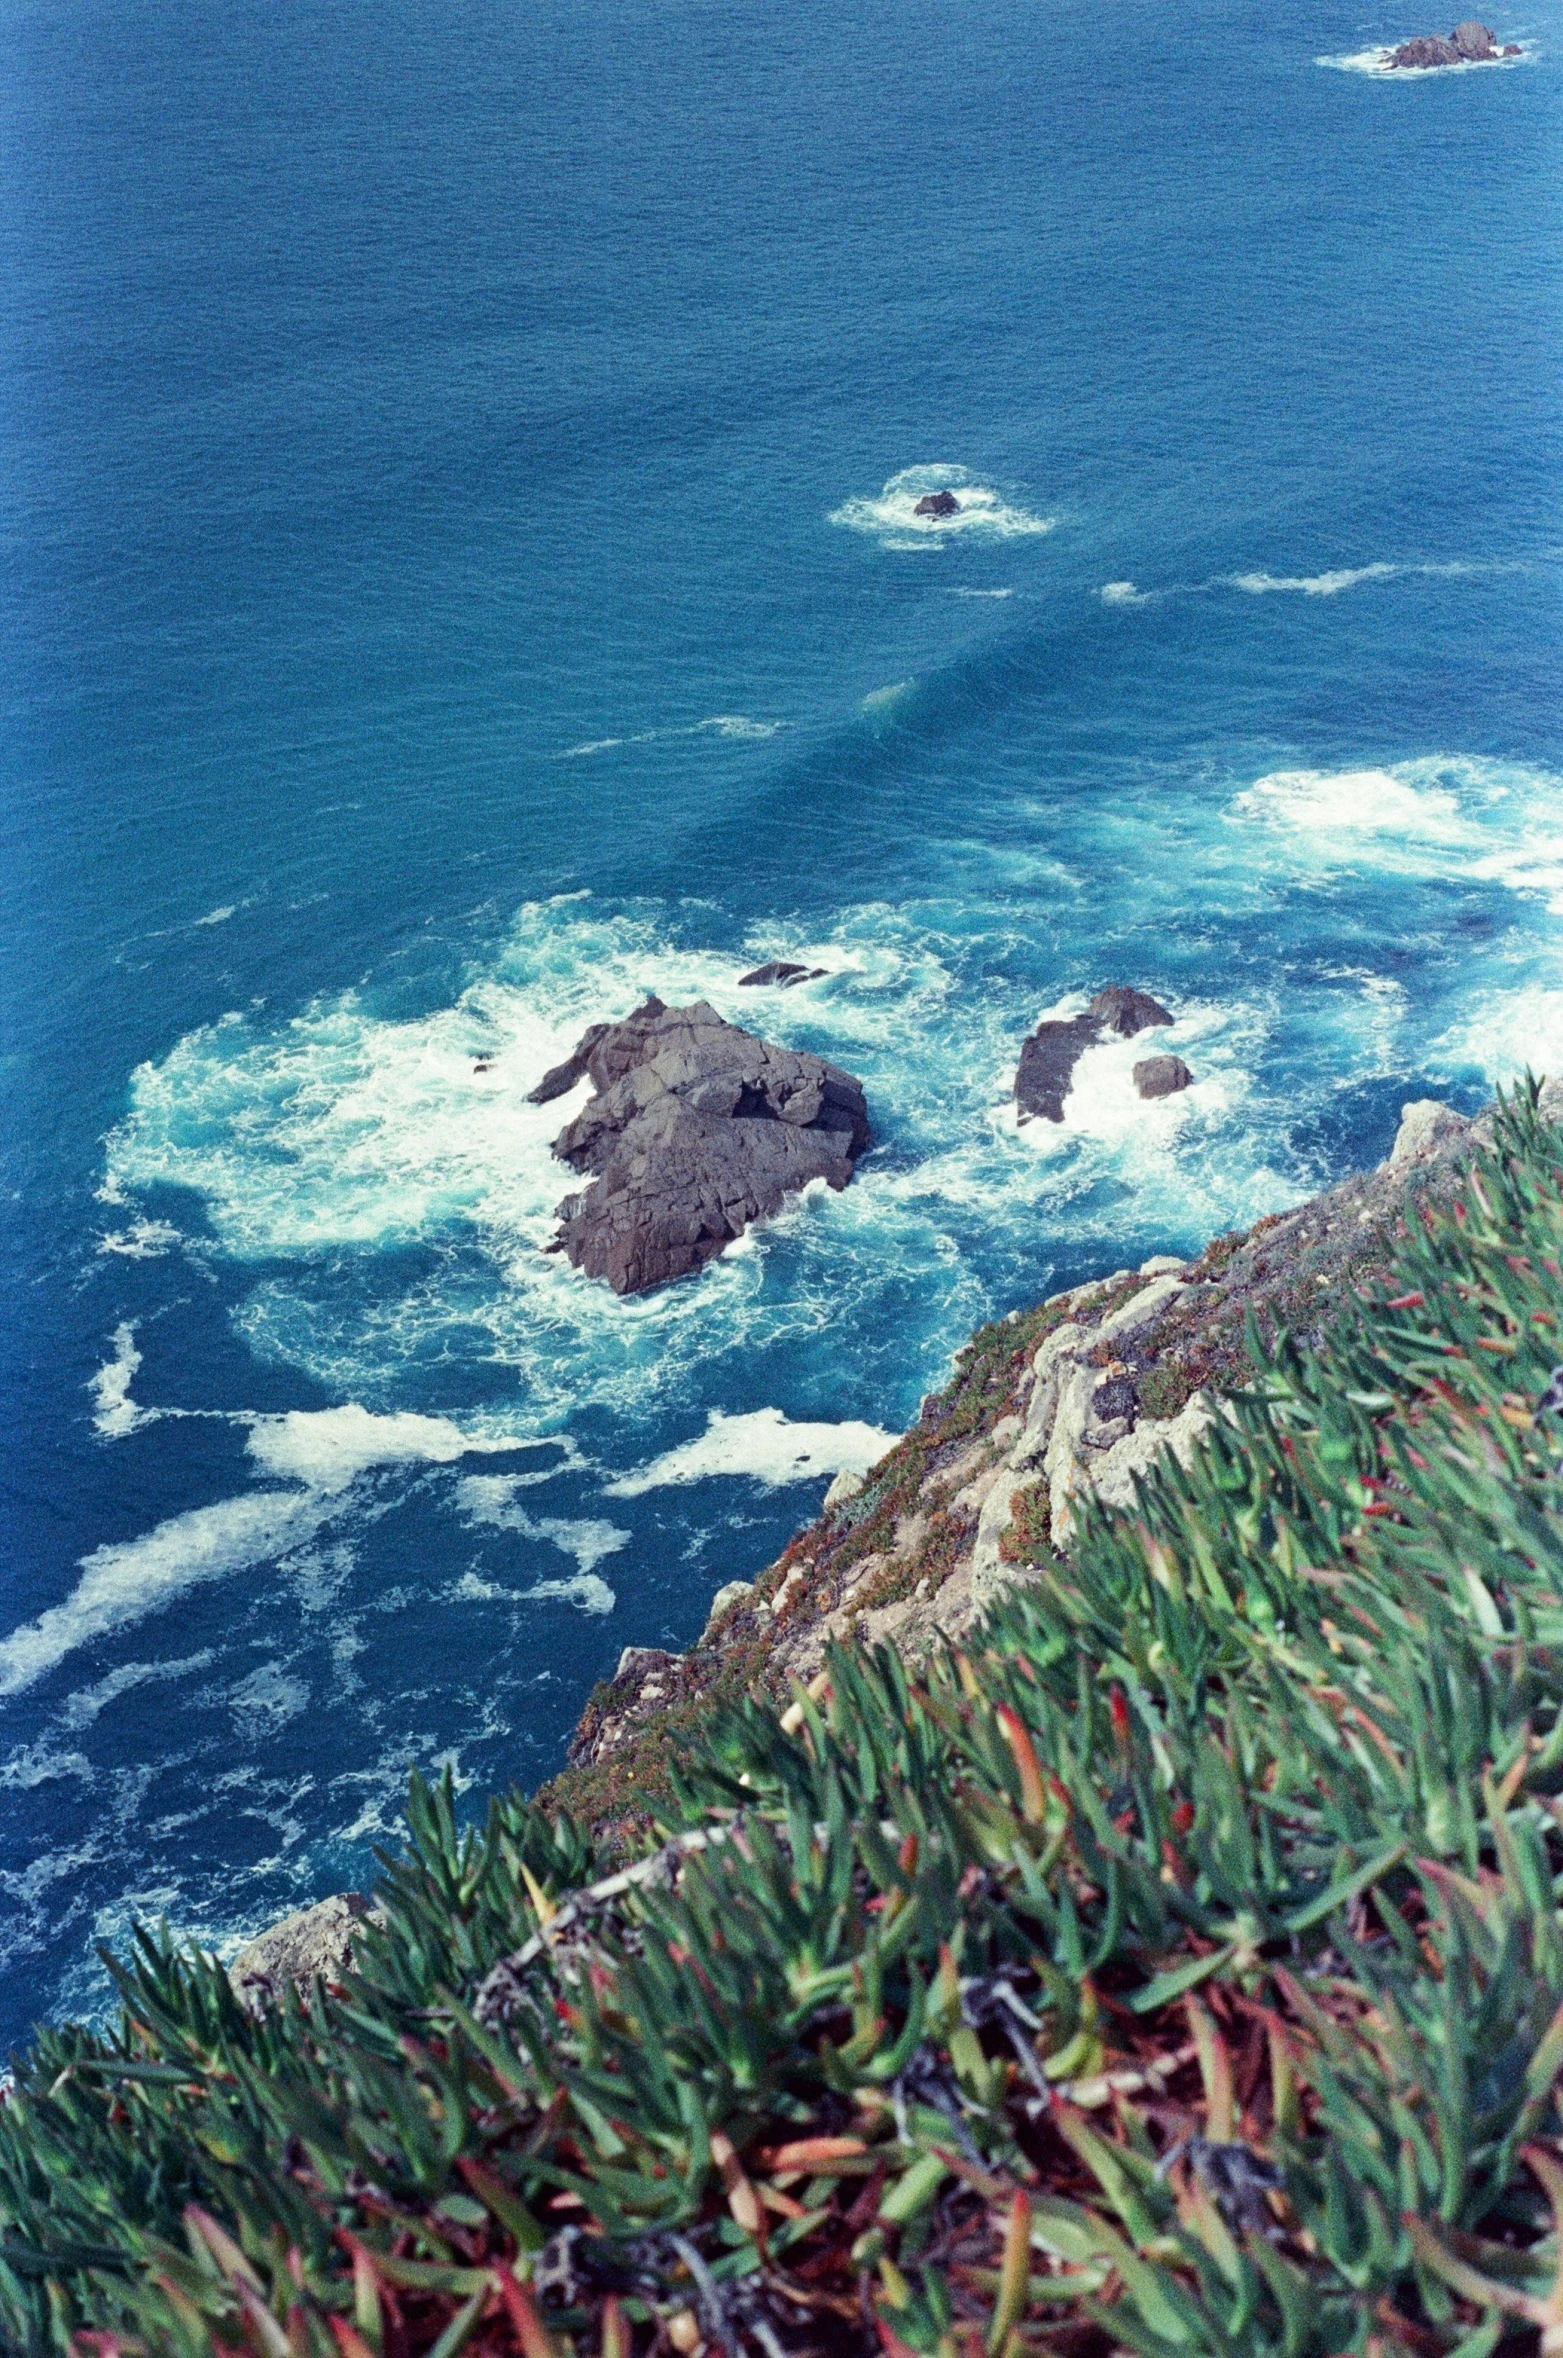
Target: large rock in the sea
[937, 503]
[1048, 1059]
[696, 1129]
[1471, 43]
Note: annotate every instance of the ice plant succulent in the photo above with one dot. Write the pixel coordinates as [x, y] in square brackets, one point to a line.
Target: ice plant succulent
[1178, 1970]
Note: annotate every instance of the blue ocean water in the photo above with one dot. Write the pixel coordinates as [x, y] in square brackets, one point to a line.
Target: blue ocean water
[461, 572]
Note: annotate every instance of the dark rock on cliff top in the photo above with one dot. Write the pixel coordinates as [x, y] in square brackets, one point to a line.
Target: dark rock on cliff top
[1470, 43]
[1161, 1076]
[784, 971]
[1048, 1059]
[938, 503]
[696, 1129]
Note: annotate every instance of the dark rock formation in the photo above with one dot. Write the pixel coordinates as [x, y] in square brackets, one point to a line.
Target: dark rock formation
[784, 971]
[1161, 1076]
[1048, 1059]
[696, 1129]
[1470, 43]
[938, 503]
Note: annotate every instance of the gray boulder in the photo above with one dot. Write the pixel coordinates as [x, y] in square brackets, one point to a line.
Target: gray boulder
[696, 1129]
[1161, 1076]
[1049, 1056]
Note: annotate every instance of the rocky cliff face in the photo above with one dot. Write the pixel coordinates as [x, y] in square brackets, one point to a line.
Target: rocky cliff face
[1048, 1408]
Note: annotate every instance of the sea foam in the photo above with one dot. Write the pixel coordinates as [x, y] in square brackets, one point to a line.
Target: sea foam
[763, 1445]
[892, 516]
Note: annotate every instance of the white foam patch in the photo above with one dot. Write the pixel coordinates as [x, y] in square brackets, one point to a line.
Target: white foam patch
[1355, 802]
[586, 1592]
[82, 1708]
[327, 1448]
[143, 1240]
[1124, 593]
[41, 1764]
[115, 1413]
[268, 1699]
[736, 727]
[1444, 815]
[490, 1499]
[765, 1446]
[893, 519]
[218, 916]
[1312, 585]
[1104, 1106]
[982, 593]
[1508, 1032]
[133, 1578]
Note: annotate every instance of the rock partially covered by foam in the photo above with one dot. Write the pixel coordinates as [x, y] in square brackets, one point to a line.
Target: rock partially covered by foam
[1049, 1057]
[784, 972]
[1470, 43]
[937, 503]
[697, 1128]
[1161, 1076]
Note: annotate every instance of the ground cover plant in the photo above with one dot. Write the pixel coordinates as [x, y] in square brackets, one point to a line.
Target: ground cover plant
[1177, 1970]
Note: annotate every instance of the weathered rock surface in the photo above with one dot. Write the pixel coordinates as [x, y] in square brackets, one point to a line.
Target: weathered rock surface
[1161, 1076]
[1111, 1376]
[314, 1941]
[1049, 1056]
[937, 503]
[1425, 1125]
[1471, 43]
[785, 972]
[697, 1128]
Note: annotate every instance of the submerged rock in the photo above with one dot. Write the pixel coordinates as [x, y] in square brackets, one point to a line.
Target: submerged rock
[1161, 1076]
[697, 1128]
[1049, 1056]
[783, 971]
[938, 503]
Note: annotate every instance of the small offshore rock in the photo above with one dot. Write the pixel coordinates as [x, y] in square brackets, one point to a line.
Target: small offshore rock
[1426, 1124]
[312, 1942]
[938, 503]
[784, 971]
[1161, 1076]
[846, 1485]
[1048, 1058]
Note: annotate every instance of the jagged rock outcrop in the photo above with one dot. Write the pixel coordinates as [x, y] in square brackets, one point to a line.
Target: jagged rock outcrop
[1471, 43]
[1102, 1381]
[696, 1129]
[786, 973]
[937, 503]
[1049, 1056]
[313, 1942]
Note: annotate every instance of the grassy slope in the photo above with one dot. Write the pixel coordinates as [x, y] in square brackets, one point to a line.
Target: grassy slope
[1177, 1969]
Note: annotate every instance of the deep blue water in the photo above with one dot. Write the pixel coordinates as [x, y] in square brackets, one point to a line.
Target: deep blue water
[457, 579]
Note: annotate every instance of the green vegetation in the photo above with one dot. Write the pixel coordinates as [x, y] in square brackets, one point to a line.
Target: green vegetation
[1179, 1972]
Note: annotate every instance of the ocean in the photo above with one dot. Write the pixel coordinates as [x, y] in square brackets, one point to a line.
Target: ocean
[462, 573]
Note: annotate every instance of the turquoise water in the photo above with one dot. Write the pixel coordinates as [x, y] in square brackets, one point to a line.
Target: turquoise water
[461, 574]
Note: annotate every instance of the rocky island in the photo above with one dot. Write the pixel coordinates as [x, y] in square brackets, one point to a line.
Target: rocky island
[1470, 43]
[696, 1129]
